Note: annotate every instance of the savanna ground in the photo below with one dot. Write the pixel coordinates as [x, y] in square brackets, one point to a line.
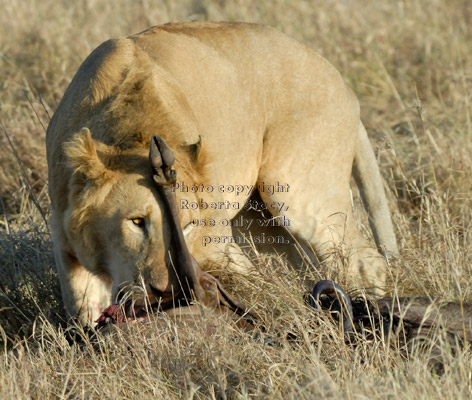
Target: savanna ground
[409, 62]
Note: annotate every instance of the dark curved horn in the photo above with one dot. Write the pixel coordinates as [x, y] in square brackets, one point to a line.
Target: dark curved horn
[332, 289]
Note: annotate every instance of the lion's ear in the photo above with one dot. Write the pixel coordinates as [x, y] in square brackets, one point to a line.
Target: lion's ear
[194, 149]
[82, 156]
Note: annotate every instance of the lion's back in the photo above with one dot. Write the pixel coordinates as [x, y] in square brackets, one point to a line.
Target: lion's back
[229, 80]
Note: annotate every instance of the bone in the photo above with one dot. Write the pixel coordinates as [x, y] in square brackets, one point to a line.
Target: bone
[197, 284]
[187, 269]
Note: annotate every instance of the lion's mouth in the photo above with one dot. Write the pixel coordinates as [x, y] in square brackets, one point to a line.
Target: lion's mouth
[130, 310]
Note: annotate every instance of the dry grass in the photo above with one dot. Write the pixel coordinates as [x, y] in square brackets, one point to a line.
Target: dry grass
[411, 66]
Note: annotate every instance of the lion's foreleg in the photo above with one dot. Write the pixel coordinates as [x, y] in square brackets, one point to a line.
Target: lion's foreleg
[84, 294]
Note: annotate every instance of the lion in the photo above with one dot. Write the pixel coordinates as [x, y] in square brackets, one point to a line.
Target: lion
[247, 111]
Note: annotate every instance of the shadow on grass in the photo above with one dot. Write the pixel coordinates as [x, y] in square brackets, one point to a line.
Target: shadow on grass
[29, 286]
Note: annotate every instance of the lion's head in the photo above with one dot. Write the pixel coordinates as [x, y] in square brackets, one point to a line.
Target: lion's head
[115, 221]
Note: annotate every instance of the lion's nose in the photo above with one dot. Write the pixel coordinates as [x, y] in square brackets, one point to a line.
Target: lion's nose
[164, 296]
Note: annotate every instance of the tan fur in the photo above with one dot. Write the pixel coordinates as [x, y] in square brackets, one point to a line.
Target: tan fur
[238, 104]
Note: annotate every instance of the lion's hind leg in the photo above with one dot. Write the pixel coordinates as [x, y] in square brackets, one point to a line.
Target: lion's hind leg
[325, 221]
[339, 242]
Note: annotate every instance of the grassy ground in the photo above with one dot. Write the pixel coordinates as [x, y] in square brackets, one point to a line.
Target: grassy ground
[410, 64]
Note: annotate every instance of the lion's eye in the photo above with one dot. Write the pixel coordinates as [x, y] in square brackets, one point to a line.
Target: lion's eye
[138, 222]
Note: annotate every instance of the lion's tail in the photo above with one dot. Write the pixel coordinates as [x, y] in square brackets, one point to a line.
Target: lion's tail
[367, 176]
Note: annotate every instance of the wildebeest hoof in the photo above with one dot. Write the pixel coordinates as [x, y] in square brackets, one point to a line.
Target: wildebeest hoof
[162, 160]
